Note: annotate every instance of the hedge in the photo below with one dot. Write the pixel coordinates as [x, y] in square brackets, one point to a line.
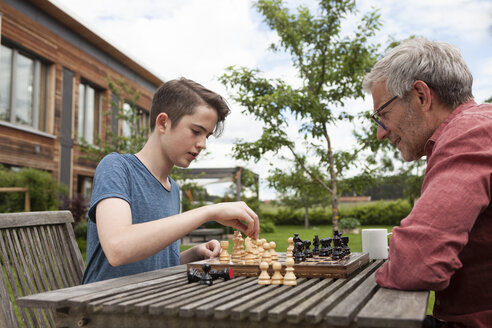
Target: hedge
[376, 213]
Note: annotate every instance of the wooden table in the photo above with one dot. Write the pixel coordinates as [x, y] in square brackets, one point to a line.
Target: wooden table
[164, 298]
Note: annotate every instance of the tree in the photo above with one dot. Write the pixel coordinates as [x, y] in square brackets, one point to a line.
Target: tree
[329, 65]
[297, 190]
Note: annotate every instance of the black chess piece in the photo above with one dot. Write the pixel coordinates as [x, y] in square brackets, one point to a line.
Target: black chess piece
[226, 274]
[299, 254]
[337, 247]
[316, 245]
[206, 278]
[308, 253]
[297, 238]
[194, 275]
[346, 249]
[326, 249]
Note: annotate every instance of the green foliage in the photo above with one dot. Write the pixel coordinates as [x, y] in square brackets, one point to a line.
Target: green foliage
[44, 191]
[267, 226]
[131, 116]
[348, 223]
[330, 65]
[374, 213]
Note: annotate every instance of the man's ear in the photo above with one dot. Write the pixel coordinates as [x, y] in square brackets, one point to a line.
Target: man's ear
[162, 122]
[423, 93]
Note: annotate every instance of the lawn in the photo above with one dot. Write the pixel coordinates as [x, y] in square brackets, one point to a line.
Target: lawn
[282, 234]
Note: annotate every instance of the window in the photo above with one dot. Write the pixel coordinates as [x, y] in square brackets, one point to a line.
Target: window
[24, 83]
[89, 113]
[142, 120]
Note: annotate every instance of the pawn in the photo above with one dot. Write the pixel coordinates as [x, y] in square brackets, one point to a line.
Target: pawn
[277, 278]
[290, 249]
[206, 278]
[273, 253]
[267, 257]
[290, 277]
[224, 255]
[264, 278]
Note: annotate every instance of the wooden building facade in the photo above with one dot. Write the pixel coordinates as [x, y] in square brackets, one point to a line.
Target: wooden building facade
[54, 75]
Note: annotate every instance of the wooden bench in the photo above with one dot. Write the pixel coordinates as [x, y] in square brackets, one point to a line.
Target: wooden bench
[38, 253]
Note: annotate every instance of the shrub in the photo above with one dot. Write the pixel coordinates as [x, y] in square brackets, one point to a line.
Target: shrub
[44, 191]
[348, 223]
[267, 226]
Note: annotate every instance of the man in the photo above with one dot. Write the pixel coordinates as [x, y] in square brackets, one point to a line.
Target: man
[135, 224]
[422, 92]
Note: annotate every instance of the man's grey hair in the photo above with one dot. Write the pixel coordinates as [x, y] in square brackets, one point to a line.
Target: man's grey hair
[440, 65]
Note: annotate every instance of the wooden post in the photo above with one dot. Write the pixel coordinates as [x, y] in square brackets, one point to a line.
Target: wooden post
[27, 202]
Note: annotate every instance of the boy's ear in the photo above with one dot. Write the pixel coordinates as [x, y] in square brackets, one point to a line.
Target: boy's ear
[162, 122]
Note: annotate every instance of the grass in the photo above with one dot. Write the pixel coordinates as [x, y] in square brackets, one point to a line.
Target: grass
[282, 234]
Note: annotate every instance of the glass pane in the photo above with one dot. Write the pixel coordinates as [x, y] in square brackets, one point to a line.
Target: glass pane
[5, 82]
[80, 129]
[89, 114]
[24, 77]
[125, 128]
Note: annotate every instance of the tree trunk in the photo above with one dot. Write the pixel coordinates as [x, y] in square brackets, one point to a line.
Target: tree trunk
[334, 193]
[306, 217]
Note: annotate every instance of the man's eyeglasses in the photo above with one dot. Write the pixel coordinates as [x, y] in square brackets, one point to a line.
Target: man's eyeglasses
[375, 116]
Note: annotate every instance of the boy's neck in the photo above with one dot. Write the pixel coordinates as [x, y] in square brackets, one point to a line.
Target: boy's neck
[156, 162]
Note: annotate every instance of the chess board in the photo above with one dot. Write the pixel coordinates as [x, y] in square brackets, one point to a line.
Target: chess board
[316, 267]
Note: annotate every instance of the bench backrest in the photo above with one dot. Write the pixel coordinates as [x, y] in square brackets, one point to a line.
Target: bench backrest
[38, 252]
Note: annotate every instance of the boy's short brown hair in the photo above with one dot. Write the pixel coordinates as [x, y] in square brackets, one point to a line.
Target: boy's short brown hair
[180, 97]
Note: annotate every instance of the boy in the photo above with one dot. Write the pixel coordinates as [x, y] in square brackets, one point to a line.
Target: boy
[134, 215]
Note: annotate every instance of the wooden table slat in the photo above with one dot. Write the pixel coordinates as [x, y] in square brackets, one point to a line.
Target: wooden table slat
[224, 310]
[316, 314]
[188, 310]
[345, 311]
[59, 298]
[390, 307]
[279, 312]
[260, 311]
[242, 311]
[172, 308]
[208, 309]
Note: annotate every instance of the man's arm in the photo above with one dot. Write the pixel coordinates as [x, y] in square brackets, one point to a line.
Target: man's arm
[124, 242]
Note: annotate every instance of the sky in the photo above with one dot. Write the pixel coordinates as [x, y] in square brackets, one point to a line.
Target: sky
[199, 39]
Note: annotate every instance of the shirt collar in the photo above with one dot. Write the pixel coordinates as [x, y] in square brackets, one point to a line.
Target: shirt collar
[429, 145]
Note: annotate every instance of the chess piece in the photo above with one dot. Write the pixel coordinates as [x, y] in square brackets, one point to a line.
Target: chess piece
[326, 249]
[261, 249]
[290, 277]
[241, 247]
[194, 275]
[238, 248]
[264, 278]
[308, 253]
[337, 247]
[267, 257]
[298, 252]
[277, 278]
[250, 257]
[296, 238]
[290, 249]
[346, 249]
[273, 253]
[224, 254]
[226, 274]
[206, 278]
[316, 245]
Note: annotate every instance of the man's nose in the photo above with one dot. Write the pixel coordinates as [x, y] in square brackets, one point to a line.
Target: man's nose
[382, 133]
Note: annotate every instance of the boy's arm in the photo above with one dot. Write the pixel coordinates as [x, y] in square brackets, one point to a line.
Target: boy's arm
[124, 242]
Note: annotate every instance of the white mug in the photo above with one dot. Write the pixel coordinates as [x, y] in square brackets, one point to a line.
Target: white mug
[375, 242]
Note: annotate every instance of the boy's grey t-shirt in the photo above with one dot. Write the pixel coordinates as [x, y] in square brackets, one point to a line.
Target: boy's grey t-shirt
[125, 177]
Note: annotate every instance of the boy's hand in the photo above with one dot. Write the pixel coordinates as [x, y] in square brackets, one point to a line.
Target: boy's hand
[238, 216]
[208, 250]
